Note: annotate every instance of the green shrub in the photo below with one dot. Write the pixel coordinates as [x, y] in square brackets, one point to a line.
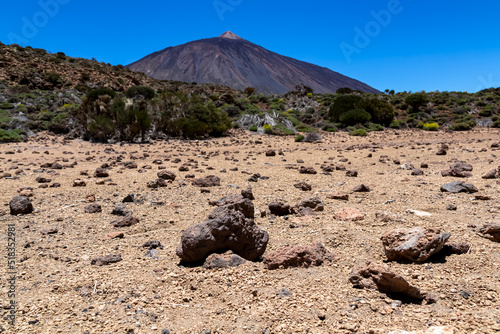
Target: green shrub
[253, 128]
[53, 78]
[6, 105]
[268, 129]
[135, 91]
[304, 128]
[358, 132]
[10, 136]
[299, 138]
[375, 127]
[343, 104]
[431, 127]
[59, 124]
[416, 101]
[355, 116]
[281, 130]
[396, 124]
[460, 126]
[380, 110]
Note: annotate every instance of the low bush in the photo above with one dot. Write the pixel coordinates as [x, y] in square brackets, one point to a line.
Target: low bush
[431, 127]
[358, 132]
[10, 136]
[311, 137]
[253, 128]
[460, 126]
[268, 129]
[299, 138]
[355, 116]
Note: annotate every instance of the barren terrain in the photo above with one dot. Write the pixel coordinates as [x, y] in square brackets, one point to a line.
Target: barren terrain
[58, 290]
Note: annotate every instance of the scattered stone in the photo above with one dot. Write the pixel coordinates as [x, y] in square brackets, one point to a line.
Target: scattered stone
[314, 203]
[20, 205]
[349, 214]
[270, 153]
[307, 170]
[114, 235]
[254, 178]
[46, 231]
[152, 253]
[386, 217]
[120, 211]
[451, 207]
[279, 208]
[229, 227]
[340, 197]
[491, 231]
[492, 174]
[417, 172]
[228, 259]
[41, 179]
[284, 293]
[105, 260]
[152, 244]
[414, 244]
[459, 187]
[101, 172]
[361, 189]
[129, 199]
[247, 193]
[166, 175]
[419, 213]
[298, 256]
[375, 276]
[302, 185]
[208, 181]
[93, 208]
[424, 165]
[79, 183]
[482, 197]
[459, 169]
[351, 173]
[125, 221]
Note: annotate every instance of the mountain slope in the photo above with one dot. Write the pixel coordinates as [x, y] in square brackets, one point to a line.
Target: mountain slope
[232, 61]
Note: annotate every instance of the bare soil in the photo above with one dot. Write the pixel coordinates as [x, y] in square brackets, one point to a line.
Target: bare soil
[59, 291]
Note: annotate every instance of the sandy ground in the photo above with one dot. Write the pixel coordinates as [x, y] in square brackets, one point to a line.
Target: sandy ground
[59, 291]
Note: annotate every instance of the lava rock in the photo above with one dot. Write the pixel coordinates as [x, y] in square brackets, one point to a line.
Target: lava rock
[414, 244]
[380, 277]
[229, 227]
[101, 172]
[459, 187]
[279, 208]
[20, 205]
[307, 170]
[93, 208]
[208, 181]
[459, 169]
[491, 231]
[166, 175]
[361, 189]
[298, 256]
[303, 186]
[125, 221]
[228, 259]
[105, 260]
[349, 214]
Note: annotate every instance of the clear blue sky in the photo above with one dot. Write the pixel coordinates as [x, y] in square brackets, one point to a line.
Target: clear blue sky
[423, 44]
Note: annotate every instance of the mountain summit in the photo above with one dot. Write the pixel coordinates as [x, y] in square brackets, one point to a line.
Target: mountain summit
[235, 62]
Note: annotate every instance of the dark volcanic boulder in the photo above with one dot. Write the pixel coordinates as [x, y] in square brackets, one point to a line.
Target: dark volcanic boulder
[459, 187]
[229, 227]
[208, 181]
[166, 175]
[374, 276]
[491, 231]
[125, 221]
[228, 259]
[20, 205]
[459, 169]
[298, 256]
[105, 260]
[307, 170]
[414, 244]
[101, 172]
[279, 208]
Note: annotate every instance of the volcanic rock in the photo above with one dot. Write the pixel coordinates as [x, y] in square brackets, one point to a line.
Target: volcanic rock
[298, 256]
[208, 181]
[105, 260]
[459, 187]
[491, 231]
[93, 208]
[380, 277]
[415, 244]
[279, 208]
[307, 170]
[228, 259]
[20, 205]
[349, 214]
[125, 221]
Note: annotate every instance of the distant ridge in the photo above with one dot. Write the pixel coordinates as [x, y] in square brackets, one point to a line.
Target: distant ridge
[235, 62]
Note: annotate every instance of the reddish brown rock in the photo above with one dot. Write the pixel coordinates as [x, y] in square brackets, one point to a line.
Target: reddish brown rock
[279, 208]
[492, 174]
[415, 244]
[229, 227]
[50, 230]
[302, 185]
[101, 172]
[114, 235]
[93, 208]
[20, 205]
[208, 181]
[361, 189]
[339, 197]
[307, 170]
[305, 206]
[298, 256]
[349, 214]
[491, 231]
[351, 173]
[79, 183]
[166, 175]
[380, 277]
[270, 153]
[125, 221]
[459, 169]
[105, 260]
[228, 259]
